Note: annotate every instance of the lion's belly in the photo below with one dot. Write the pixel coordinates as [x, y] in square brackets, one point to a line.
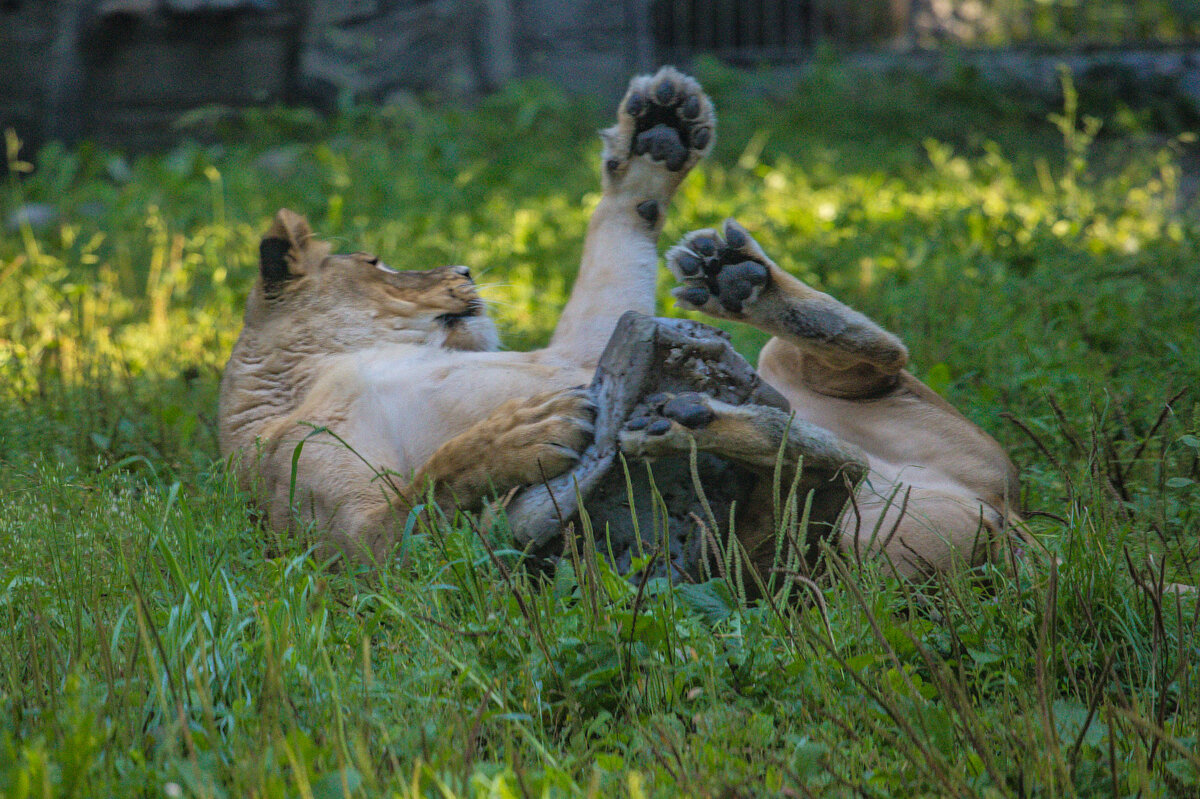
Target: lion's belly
[410, 404]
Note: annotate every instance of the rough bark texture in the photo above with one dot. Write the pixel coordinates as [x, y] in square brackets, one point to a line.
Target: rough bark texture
[647, 356]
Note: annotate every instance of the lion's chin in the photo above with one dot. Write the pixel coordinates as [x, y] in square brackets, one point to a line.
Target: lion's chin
[475, 333]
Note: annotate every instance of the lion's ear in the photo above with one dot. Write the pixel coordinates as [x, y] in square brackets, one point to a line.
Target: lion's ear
[281, 253]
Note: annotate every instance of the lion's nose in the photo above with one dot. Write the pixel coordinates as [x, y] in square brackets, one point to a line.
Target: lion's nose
[465, 271]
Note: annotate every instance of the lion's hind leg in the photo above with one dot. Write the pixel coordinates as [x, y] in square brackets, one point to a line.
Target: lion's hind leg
[920, 531]
[842, 371]
[837, 350]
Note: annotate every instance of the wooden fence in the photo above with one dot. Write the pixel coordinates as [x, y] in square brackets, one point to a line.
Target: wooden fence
[770, 30]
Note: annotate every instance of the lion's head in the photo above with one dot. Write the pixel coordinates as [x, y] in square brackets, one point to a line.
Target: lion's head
[343, 303]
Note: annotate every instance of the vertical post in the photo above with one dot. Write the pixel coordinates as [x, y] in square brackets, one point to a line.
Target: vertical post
[497, 63]
[64, 76]
[637, 21]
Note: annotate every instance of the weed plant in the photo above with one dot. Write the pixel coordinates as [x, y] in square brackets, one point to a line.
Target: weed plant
[158, 642]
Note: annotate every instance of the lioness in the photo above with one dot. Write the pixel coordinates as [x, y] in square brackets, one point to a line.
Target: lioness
[354, 387]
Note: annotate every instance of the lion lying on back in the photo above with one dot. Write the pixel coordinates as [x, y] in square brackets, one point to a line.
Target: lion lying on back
[392, 380]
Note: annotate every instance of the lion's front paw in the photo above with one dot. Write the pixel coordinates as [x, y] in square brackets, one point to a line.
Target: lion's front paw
[665, 118]
[724, 277]
[667, 424]
[548, 434]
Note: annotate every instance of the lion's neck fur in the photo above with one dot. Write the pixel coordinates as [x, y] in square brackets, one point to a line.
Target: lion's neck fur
[262, 384]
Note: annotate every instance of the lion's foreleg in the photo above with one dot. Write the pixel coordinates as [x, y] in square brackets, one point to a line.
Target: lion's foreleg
[665, 125]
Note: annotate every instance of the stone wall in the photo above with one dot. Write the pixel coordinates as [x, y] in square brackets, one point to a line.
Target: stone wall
[122, 71]
[31, 82]
[464, 46]
[590, 46]
[142, 74]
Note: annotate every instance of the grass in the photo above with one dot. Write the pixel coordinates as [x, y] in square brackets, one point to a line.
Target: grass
[160, 643]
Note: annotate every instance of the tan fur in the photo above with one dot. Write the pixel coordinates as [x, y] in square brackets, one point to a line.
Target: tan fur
[350, 392]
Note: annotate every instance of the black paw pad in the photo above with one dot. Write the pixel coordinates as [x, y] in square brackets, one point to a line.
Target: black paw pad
[658, 427]
[735, 283]
[663, 144]
[751, 272]
[664, 93]
[637, 423]
[688, 264]
[705, 246]
[690, 108]
[735, 237]
[689, 410]
[648, 210]
[700, 139]
[635, 104]
[694, 295]
[734, 289]
[656, 401]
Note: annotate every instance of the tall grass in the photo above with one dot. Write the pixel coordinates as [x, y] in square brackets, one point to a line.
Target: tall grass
[159, 642]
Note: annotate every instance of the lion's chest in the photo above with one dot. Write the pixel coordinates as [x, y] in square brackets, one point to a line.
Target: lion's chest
[407, 404]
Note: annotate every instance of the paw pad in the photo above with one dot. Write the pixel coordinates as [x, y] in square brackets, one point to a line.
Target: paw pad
[732, 271]
[648, 210]
[667, 118]
[688, 409]
[688, 264]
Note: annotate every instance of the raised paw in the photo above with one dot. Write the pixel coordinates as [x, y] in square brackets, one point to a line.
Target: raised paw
[666, 424]
[722, 276]
[547, 435]
[664, 117]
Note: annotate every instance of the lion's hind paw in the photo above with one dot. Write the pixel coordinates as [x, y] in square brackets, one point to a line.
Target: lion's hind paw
[549, 434]
[720, 276]
[667, 424]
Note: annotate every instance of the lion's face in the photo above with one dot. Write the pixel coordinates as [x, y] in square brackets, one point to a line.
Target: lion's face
[347, 302]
